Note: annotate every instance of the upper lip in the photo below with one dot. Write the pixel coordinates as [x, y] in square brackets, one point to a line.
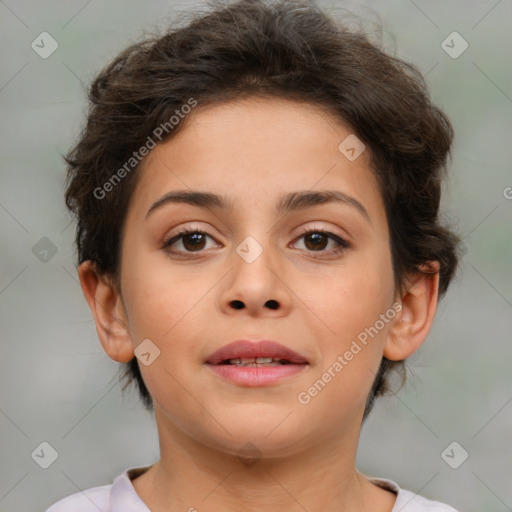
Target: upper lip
[252, 349]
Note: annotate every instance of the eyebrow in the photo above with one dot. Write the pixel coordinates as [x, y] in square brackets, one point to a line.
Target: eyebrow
[287, 203]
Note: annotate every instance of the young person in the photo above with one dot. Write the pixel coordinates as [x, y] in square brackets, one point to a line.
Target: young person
[257, 198]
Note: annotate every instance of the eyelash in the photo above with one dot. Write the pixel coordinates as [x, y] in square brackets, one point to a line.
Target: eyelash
[343, 244]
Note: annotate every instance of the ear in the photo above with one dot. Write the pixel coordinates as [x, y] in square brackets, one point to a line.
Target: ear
[419, 303]
[108, 311]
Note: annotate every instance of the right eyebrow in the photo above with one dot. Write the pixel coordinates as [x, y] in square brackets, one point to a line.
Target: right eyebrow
[289, 202]
[194, 198]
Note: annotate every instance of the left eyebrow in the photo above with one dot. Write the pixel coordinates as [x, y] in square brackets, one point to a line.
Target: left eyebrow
[289, 202]
[304, 199]
[201, 199]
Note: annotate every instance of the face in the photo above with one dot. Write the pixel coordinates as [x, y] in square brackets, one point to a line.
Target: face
[311, 276]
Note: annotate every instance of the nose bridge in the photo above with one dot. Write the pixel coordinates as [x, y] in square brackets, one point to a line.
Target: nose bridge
[255, 283]
[254, 261]
[255, 233]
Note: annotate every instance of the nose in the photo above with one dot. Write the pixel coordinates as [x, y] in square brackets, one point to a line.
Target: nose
[271, 304]
[258, 287]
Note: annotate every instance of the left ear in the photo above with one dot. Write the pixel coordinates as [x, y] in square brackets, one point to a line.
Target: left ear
[419, 303]
[107, 308]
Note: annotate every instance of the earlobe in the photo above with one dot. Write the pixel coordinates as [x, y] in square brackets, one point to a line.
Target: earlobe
[108, 312]
[419, 303]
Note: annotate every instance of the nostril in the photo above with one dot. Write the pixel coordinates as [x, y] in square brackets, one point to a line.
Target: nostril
[238, 304]
[272, 304]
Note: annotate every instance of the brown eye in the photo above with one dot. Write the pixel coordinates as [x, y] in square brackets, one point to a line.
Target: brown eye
[317, 240]
[192, 240]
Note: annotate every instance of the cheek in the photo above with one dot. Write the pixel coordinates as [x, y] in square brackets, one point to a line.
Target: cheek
[165, 307]
[354, 296]
[160, 301]
[350, 306]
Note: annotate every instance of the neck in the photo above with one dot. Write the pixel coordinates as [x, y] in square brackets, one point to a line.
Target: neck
[194, 477]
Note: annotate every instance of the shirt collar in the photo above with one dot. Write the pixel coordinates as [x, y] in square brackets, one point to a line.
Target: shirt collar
[124, 498]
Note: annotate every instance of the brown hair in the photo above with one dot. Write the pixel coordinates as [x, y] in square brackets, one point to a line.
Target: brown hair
[290, 49]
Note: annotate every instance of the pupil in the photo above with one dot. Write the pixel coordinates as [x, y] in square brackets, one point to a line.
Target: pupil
[195, 244]
[317, 237]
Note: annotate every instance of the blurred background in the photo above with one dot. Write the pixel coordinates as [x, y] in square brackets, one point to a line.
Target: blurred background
[446, 435]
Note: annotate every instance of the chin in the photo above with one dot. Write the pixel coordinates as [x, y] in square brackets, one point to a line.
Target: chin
[268, 437]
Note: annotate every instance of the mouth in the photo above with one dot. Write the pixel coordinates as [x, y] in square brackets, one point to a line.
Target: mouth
[265, 352]
[254, 364]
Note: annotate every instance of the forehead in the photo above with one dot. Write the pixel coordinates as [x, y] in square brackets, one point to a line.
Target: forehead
[256, 149]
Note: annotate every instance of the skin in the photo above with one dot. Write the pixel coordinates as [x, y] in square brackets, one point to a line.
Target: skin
[253, 151]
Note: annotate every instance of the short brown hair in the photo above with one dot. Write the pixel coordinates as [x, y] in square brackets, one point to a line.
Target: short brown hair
[290, 49]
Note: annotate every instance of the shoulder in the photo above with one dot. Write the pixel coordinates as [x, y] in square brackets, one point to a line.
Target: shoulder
[410, 502]
[407, 501]
[120, 496]
[90, 500]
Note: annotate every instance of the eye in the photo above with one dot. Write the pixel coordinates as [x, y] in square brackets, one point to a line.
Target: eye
[316, 240]
[193, 240]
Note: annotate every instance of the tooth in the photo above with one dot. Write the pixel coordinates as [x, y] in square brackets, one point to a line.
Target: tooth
[258, 365]
[255, 361]
[264, 359]
[266, 365]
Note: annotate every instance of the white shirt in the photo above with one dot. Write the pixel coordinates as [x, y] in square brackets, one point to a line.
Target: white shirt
[121, 496]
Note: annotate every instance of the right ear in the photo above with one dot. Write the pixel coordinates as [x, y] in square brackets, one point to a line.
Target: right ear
[108, 312]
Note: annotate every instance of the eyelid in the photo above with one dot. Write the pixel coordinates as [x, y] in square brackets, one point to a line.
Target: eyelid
[334, 232]
[184, 231]
[342, 243]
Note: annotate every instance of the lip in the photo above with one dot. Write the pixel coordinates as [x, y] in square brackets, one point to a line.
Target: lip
[256, 376]
[264, 348]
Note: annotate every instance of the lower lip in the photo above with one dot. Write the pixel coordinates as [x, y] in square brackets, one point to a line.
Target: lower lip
[253, 376]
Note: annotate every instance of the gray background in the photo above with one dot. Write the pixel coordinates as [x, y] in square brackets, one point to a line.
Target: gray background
[57, 385]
